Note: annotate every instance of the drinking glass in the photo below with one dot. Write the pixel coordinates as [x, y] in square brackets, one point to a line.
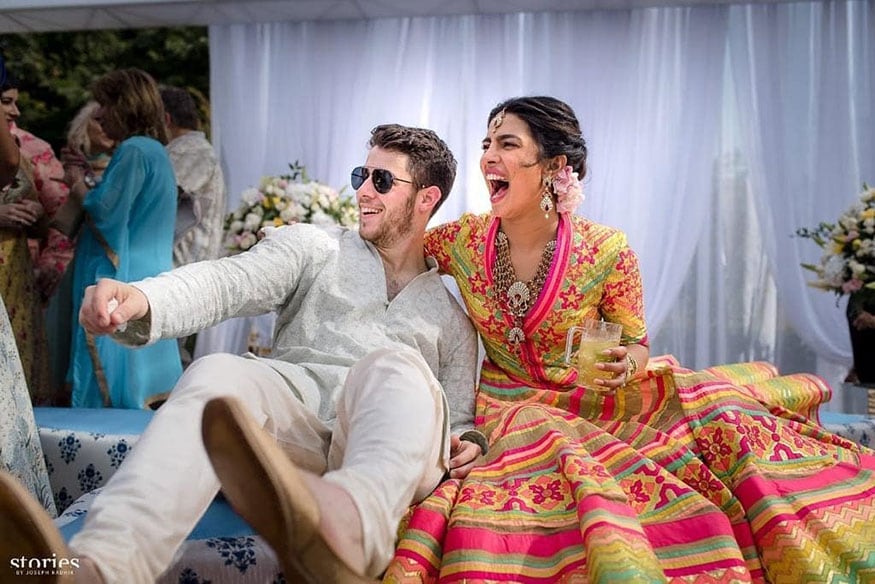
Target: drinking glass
[584, 352]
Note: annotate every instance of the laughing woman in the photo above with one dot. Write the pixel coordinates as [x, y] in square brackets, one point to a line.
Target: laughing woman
[127, 235]
[651, 475]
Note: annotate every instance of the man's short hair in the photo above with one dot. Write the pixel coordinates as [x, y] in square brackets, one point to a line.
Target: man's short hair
[180, 105]
[431, 162]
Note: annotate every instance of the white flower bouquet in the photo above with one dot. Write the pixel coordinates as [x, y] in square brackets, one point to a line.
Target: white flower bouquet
[848, 261]
[284, 200]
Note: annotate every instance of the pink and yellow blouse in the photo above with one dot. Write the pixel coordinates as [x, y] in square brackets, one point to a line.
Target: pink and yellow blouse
[594, 274]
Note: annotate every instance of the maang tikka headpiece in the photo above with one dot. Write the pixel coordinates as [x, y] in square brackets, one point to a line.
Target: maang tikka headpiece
[497, 121]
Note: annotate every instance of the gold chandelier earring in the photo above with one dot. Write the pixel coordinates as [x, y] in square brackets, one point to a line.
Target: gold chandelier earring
[547, 197]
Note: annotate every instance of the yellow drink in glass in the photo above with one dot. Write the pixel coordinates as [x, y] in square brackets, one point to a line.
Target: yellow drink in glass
[596, 336]
[590, 353]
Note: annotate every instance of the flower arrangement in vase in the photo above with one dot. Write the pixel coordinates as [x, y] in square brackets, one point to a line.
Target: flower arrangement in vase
[847, 266]
[284, 200]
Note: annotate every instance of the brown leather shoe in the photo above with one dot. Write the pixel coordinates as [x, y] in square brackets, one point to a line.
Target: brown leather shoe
[31, 547]
[266, 488]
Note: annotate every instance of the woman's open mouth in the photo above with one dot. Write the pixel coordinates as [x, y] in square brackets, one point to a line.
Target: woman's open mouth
[497, 186]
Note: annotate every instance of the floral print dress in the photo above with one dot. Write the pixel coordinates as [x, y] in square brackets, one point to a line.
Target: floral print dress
[19, 292]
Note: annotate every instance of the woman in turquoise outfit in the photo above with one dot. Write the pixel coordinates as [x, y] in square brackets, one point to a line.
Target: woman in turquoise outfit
[127, 234]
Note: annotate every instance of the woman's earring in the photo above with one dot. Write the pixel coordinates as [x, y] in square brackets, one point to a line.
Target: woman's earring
[547, 198]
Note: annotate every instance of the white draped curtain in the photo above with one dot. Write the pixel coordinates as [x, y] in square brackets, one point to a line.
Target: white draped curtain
[804, 76]
[671, 100]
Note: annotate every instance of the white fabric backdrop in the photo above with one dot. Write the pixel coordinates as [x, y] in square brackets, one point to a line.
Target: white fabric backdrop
[804, 76]
[640, 81]
[692, 146]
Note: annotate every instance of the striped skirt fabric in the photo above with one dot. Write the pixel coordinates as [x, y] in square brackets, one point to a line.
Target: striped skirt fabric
[720, 475]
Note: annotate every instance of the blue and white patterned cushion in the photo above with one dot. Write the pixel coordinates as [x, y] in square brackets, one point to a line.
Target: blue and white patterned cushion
[221, 548]
[856, 428]
[84, 448]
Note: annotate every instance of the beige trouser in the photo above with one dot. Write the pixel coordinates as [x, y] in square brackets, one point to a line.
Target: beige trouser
[387, 449]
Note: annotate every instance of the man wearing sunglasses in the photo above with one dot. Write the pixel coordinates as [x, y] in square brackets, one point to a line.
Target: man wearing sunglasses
[366, 404]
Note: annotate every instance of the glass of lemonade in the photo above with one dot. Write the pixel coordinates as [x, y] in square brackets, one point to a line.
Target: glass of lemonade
[584, 346]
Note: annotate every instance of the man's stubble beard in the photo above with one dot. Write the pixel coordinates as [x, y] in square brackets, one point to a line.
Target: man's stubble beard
[394, 229]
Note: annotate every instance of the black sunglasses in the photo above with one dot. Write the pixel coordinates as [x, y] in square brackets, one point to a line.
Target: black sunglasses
[382, 178]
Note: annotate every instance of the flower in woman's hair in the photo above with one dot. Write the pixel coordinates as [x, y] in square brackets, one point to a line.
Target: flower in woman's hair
[569, 195]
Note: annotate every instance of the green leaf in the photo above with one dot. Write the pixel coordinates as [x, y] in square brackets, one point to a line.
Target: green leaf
[821, 285]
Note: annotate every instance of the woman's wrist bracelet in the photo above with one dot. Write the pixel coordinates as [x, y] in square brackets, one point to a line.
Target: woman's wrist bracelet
[477, 438]
[631, 365]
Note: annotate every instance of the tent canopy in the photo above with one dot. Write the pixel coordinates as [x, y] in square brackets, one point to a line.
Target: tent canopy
[17, 16]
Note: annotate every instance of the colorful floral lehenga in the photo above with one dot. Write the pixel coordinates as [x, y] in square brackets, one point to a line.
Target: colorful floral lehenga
[682, 476]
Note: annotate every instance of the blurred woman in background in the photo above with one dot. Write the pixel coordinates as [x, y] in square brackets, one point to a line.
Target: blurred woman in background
[127, 235]
[9, 156]
[53, 251]
[85, 135]
[22, 215]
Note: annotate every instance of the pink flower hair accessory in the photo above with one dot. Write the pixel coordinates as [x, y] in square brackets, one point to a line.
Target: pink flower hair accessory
[569, 195]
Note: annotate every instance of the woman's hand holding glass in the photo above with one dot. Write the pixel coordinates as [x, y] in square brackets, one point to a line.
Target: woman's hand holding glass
[602, 363]
[592, 349]
[616, 369]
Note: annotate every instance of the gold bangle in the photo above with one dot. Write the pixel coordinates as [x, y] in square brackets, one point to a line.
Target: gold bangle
[631, 366]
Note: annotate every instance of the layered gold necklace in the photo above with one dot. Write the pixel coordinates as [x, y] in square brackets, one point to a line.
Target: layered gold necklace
[518, 296]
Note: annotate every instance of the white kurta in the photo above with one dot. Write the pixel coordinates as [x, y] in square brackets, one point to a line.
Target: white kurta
[328, 288]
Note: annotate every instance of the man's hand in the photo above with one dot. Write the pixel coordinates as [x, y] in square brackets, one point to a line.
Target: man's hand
[463, 455]
[97, 315]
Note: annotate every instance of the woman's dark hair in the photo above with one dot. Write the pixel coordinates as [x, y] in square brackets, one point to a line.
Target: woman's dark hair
[9, 83]
[134, 101]
[553, 126]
